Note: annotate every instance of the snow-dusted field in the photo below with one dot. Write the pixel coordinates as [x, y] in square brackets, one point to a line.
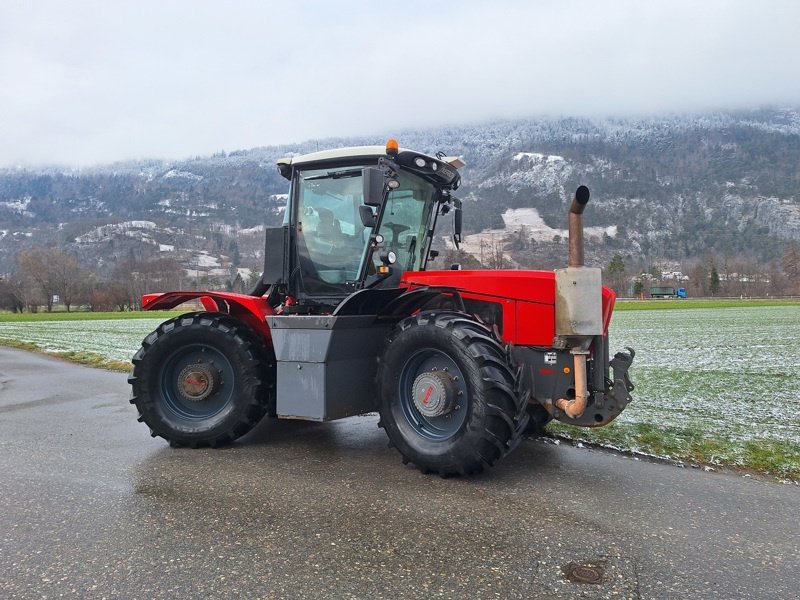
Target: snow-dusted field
[732, 371]
[116, 339]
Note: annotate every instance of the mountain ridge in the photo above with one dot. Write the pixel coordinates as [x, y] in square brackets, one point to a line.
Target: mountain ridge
[675, 188]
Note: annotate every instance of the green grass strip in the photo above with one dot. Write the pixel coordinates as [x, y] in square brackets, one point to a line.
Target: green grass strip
[678, 304]
[88, 359]
[768, 456]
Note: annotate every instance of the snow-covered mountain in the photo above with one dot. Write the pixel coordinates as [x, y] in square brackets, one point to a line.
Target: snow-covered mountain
[671, 187]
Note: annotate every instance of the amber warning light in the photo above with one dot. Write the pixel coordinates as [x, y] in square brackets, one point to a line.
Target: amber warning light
[391, 147]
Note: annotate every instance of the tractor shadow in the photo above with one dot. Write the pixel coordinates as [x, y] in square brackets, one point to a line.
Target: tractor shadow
[353, 450]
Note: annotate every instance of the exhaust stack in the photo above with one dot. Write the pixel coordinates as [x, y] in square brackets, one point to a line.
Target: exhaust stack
[576, 226]
[578, 307]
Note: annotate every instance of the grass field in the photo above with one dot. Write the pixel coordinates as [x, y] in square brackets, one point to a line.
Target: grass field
[716, 382]
[715, 386]
[102, 342]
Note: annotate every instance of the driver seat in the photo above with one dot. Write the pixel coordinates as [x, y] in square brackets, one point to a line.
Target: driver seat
[328, 227]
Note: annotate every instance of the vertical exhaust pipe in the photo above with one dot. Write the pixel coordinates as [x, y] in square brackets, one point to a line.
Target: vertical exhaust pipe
[578, 307]
[579, 202]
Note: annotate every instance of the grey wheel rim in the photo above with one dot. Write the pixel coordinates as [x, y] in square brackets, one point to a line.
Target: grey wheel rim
[446, 419]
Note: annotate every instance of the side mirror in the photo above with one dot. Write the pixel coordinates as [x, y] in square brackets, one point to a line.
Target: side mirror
[368, 218]
[457, 223]
[374, 186]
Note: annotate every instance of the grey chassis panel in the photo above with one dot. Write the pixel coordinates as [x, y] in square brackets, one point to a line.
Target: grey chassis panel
[326, 365]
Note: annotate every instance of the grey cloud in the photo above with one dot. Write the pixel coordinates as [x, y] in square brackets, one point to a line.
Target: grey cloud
[92, 82]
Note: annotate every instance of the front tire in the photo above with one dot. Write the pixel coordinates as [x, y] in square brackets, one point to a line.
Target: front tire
[202, 379]
[447, 394]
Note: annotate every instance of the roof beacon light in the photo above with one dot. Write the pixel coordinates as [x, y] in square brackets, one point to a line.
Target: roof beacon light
[391, 147]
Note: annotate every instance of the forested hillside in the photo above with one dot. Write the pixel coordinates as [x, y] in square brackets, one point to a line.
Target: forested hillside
[666, 191]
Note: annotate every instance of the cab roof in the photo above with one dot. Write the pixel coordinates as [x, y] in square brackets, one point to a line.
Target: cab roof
[358, 152]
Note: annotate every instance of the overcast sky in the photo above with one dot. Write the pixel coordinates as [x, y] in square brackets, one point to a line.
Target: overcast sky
[94, 82]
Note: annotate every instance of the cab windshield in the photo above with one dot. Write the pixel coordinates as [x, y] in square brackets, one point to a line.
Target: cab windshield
[332, 243]
[405, 222]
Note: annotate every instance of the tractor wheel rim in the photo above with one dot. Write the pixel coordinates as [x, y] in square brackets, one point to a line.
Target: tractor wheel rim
[432, 395]
[197, 382]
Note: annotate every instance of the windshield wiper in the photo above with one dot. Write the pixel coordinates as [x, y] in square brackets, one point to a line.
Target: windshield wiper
[412, 247]
[335, 175]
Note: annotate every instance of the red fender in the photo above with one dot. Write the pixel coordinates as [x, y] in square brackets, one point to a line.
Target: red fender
[252, 310]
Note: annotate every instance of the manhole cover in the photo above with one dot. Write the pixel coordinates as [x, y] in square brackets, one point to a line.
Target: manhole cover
[585, 572]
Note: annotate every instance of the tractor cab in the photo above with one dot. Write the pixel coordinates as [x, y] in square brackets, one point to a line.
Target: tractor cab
[356, 218]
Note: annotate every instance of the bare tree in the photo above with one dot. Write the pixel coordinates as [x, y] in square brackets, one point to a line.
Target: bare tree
[11, 295]
[790, 263]
[71, 278]
[494, 255]
[108, 296]
[699, 278]
[141, 277]
[777, 281]
[33, 267]
[54, 273]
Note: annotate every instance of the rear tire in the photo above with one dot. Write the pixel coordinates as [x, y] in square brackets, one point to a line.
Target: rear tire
[202, 379]
[448, 398]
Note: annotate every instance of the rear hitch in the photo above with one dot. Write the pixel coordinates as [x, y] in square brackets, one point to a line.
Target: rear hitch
[622, 386]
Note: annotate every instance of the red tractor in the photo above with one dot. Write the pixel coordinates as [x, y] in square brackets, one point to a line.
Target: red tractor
[347, 319]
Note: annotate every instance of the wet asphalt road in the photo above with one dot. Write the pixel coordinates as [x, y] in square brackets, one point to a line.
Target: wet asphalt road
[93, 507]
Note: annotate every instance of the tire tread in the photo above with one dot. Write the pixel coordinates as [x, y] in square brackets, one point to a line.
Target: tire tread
[258, 366]
[506, 415]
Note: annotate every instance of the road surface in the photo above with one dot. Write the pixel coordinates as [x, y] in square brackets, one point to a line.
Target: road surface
[93, 507]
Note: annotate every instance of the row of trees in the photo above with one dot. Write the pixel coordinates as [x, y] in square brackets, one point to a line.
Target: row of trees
[712, 276]
[46, 276]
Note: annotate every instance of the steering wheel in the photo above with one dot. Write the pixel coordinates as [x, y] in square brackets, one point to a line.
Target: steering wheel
[396, 229]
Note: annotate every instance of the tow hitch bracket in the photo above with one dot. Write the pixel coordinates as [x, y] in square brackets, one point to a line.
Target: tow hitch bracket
[623, 386]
